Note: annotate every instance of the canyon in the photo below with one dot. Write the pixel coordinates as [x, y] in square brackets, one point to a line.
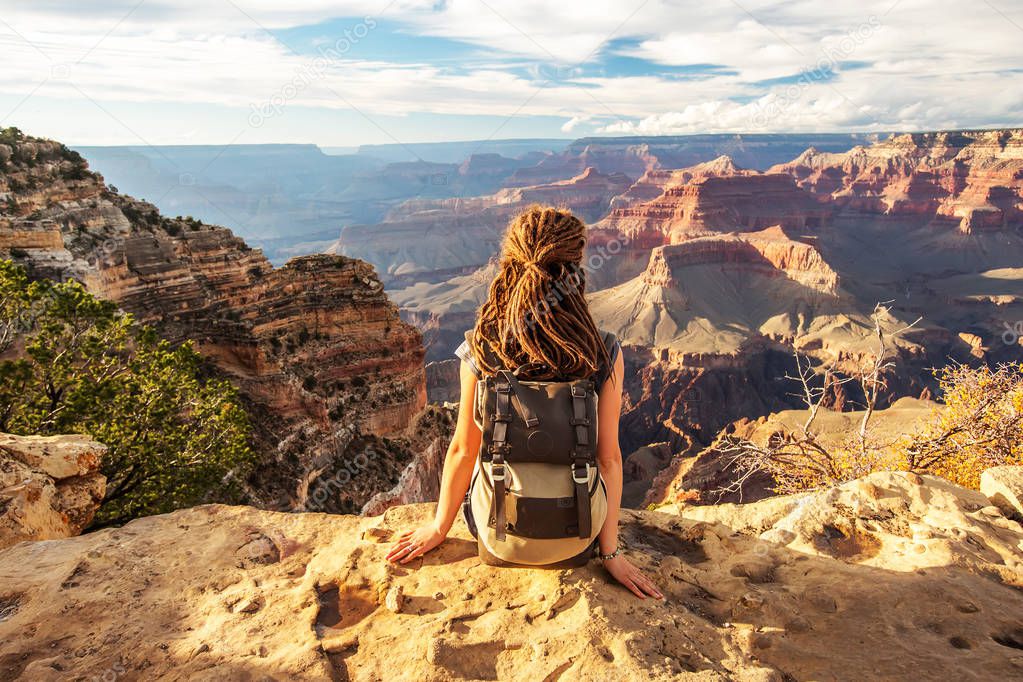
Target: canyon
[636, 155]
[325, 367]
[432, 240]
[715, 259]
[291, 199]
[714, 275]
[288, 199]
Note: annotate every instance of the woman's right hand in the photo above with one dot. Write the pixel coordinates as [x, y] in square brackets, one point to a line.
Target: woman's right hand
[415, 543]
[622, 570]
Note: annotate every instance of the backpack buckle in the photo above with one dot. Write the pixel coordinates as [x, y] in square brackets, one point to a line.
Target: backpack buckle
[583, 421]
[583, 477]
[498, 448]
[497, 472]
[502, 387]
[578, 391]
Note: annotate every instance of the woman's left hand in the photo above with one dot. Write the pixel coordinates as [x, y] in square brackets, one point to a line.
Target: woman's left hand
[623, 570]
[415, 543]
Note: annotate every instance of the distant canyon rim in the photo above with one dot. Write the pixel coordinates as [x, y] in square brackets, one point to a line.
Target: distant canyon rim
[720, 256]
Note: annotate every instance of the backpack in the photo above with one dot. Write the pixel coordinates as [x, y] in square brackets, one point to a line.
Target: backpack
[536, 496]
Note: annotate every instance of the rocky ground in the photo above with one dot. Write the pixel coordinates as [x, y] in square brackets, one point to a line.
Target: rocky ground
[50, 486]
[894, 577]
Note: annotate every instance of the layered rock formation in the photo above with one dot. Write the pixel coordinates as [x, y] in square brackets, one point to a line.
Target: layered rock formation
[714, 275]
[432, 240]
[636, 155]
[50, 487]
[632, 160]
[652, 183]
[712, 294]
[708, 203]
[710, 327]
[934, 219]
[893, 577]
[970, 179]
[318, 351]
[444, 310]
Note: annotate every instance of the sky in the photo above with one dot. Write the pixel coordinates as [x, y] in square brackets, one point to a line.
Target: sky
[339, 73]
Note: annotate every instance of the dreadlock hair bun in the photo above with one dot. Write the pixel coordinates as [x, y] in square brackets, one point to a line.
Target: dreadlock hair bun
[536, 312]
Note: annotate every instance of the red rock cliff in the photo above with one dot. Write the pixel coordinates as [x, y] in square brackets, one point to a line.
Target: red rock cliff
[693, 203]
[973, 179]
[317, 349]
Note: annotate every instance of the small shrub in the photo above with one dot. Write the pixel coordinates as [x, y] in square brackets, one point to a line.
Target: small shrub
[11, 135]
[980, 426]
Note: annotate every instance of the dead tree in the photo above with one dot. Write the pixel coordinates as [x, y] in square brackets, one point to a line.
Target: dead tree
[799, 460]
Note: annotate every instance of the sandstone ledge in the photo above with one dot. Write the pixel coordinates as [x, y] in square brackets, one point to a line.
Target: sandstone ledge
[50, 486]
[892, 577]
[1004, 487]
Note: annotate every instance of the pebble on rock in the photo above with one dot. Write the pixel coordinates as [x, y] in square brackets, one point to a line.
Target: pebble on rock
[395, 599]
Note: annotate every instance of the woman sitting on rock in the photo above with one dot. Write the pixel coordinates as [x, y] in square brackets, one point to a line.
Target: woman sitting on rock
[535, 462]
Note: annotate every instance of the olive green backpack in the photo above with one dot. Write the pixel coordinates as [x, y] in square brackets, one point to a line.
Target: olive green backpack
[536, 496]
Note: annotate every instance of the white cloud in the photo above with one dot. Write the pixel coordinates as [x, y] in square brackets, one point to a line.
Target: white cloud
[572, 123]
[923, 65]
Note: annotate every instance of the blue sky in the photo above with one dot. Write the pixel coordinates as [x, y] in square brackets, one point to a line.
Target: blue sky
[346, 73]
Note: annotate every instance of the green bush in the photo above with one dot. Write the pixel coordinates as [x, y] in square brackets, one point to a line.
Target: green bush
[174, 436]
[11, 135]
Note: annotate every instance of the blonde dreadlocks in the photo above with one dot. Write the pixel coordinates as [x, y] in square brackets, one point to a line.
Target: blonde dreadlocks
[536, 313]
